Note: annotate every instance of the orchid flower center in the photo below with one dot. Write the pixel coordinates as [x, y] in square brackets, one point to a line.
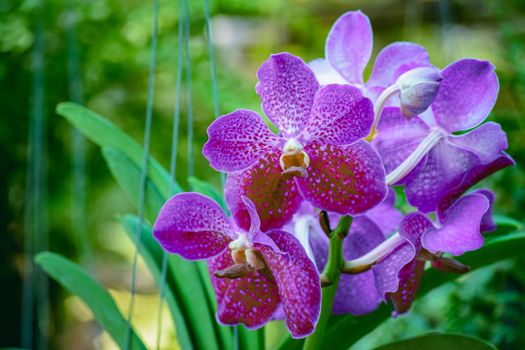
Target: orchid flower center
[242, 253]
[294, 159]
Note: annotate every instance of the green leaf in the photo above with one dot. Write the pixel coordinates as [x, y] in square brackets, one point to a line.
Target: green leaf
[209, 190]
[78, 282]
[127, 174]
[440, 341]
[338, 335]
[104, 133]
[250, 339]
[188, 289]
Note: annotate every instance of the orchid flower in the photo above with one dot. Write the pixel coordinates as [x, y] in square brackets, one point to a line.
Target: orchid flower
[318, 155]
[398, 262]
[348, 50]
[253, 273]
[356, 293]
[426, 155]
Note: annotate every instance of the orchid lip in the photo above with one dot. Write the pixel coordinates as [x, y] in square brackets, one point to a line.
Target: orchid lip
[294, 159]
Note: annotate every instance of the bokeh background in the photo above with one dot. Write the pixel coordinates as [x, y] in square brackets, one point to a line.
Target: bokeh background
[113, 39]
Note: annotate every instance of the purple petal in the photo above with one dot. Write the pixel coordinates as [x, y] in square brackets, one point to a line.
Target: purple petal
[340, 115]
[349, 45]
[250, 300]
[193, 226]
[343, 179]
[325, 73]
[387, 272]
[357, 294]
[298, 283]
[275, 198]
[255, 222]
[237, 140]
[473, 176]
[487, 221]
[394, 60]
[444, 169]
[386, 216]
[287, 88]
[487, 141]
[398, 137]
[460, 231]
[466, 95]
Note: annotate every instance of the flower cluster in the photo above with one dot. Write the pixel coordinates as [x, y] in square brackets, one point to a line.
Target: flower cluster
[342, 143]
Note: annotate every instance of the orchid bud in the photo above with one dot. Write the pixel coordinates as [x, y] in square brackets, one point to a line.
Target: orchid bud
[417, 89]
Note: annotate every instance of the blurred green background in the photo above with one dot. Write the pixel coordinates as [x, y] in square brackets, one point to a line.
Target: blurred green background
[114, 38]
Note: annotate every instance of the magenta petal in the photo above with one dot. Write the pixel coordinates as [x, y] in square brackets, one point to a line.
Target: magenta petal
[297, 280]
[349, 45]
[343, 179]
[466, 95]
[287, 88]
[487, 141]
[340, 116]
[193, 226]
[394, 60]
[460, 231]
[409, 278]
[398, 136]
[237, 140]
[276, 199]
[255, 222]
[387, 272]
[325, 73]
[250, 300]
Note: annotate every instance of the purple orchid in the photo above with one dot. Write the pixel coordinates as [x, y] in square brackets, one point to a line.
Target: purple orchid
[319, 154]
[398, 273]
[426, 155]
[253, 273]
[348, 50]
[356, 293]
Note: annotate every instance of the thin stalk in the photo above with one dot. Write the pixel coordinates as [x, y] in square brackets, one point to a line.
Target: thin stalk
[379, 106]
[144, 169]
[366, 261]
[415, 157]
[330, 277]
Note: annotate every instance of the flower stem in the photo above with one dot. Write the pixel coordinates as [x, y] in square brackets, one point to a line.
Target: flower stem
[330, 275]
[379, 106]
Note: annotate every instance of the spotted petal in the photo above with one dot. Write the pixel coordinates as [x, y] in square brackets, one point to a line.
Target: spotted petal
[275, 198]
[193, 226]
[250, 300]
[341, 115]
[467, 93]
[287, 88]
[387, 272]
[409, 278]
[460, 231]
[349, 45]
[297, 280]
[343, 179]
[394, 60]
[237, 140]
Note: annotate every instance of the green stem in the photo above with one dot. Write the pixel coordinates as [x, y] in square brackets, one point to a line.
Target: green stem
[330, 276]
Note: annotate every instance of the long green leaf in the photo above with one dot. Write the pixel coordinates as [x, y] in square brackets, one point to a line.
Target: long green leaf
[104, 133]
[189, 291]
[80, 283]
[207, 189]
[250, 340]
[152, 255]
[440, 341]
[127, 174]
[343, 331]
